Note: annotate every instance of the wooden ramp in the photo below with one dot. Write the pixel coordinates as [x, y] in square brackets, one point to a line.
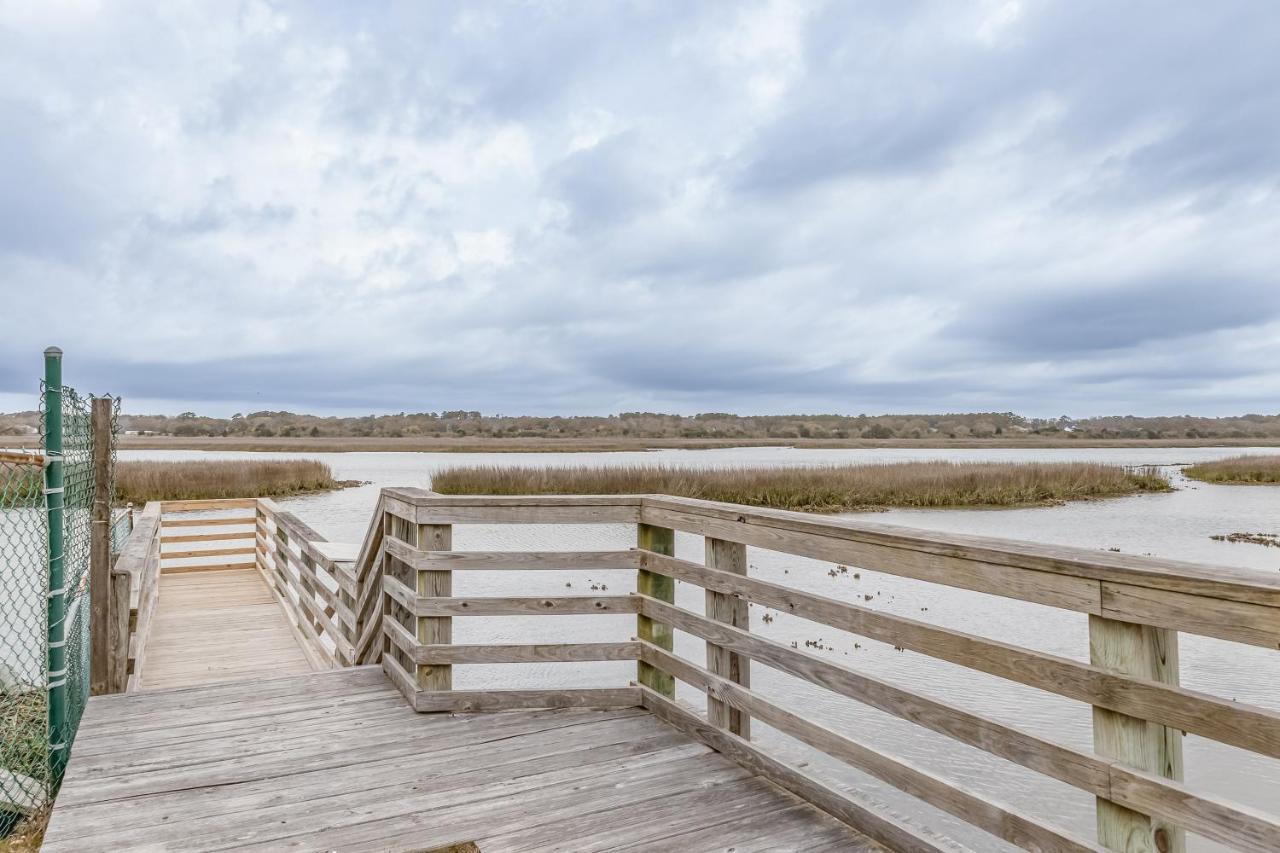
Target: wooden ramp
[338, 761]
[215, 626]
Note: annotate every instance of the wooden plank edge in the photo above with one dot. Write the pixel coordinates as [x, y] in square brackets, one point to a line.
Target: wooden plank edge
[871, 819]
[478, 701]
[1000, 819]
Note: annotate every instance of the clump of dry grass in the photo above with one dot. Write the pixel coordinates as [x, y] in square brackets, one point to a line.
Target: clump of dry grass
[1237, 470]
[141, 481]
[24, 753]
[834, 488]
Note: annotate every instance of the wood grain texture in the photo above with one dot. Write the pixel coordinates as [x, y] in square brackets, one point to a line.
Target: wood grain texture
[503, 561]
[434, 630]
[499, 606]
[1236, 723]
[205, 505]
[1229, 583]
[1241, 622]
[218, 626]
[999, 819]
[363, 772]
[732, 610]
[869, 818]
[244, 521]
[472, 701]
[1139, 651]
[657, 540]
[102, 610]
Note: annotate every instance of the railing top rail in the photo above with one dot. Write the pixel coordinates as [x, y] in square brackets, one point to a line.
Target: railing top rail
[781, 527]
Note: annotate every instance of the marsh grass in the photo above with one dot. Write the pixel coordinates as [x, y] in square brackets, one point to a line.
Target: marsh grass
[140, 481]
[834, 488]
[1237, 470]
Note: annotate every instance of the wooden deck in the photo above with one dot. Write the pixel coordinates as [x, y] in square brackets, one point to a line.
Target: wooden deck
[191, 757]
[338, 761]
[215, 626]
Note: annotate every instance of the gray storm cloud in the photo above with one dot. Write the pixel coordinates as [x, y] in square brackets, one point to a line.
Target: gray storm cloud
[758, 207]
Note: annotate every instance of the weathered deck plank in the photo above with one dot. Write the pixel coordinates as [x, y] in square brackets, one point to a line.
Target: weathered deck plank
[338, 761]
[218, 626]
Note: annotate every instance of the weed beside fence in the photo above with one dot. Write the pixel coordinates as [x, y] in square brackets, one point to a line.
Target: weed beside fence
[140, 481]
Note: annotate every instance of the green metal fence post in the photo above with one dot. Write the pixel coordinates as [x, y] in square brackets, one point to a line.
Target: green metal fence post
[53, 486]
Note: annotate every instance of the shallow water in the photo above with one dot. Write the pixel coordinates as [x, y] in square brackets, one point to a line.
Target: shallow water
[1175, 525]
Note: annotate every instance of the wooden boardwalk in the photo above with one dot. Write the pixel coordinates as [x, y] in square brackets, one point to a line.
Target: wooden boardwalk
[338, 761]
[227, 739]
[214, 626]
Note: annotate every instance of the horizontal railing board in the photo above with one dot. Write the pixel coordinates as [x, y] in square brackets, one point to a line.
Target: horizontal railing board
[468, 701]
[601, 514]
[492, 606]
[490, 561]
[1076, 768]
[1238, 826]
[688, 514]
[425, 498]
[1241, 622]
[1082, 595]
[526, 653]
[206, 567]
[208, 552]
[868, 819]
[1224, 582]
[422, 507]
[999, 819]
[438, 654]
[208, 505]
[1238, 724]
[206, 537]
[209, 522]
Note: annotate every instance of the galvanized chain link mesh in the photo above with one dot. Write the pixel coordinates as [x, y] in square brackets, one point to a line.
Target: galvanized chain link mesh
[26, 777]
[24, 760]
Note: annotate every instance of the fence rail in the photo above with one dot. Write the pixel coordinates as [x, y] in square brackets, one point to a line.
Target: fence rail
[1136, 606]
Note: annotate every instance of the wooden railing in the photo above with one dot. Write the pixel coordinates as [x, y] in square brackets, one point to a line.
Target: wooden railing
[314, 584]
[134, 586]
[1136, 608]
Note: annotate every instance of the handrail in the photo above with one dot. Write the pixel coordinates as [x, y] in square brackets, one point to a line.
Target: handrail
[315, 590]
[1138, 801]
[135, 580]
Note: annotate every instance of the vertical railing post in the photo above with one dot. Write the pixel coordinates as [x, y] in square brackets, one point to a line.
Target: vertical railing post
[660, 540]
[101, 615]
[1141, 651]
[118, 632]
[435, 630]
[56, 611]
[732, 610]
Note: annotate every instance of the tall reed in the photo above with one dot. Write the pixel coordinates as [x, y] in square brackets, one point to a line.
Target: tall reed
[141, 481]
[1237, 470]
[831, 488]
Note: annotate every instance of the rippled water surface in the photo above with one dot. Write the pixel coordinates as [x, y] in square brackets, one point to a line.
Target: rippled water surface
[1176, 525]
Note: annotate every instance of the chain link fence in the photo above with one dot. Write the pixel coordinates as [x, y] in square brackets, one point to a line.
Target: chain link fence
[46, 502]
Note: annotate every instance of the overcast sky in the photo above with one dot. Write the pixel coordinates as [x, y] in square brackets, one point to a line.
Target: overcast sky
[588, 207]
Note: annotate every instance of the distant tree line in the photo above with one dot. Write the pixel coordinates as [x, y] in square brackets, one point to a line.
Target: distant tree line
[710, 425]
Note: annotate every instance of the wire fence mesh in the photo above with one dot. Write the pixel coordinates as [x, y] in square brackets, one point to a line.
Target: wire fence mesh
[30, 758]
